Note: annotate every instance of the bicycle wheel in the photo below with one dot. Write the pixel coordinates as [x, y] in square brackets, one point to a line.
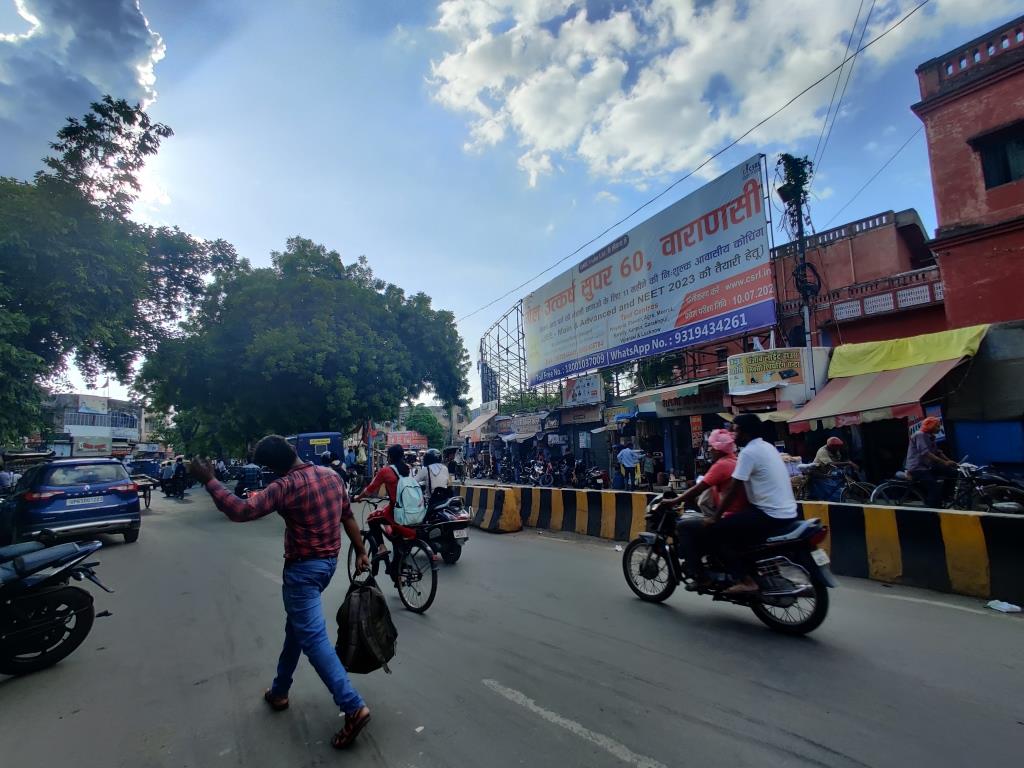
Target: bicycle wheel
[897, 495]
[417, 583]
[856, 493]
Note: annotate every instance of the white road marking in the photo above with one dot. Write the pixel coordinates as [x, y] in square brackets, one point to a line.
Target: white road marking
[609, 745]
[420, 729]
[938, 604]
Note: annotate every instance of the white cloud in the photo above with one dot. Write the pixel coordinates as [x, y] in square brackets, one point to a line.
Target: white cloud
[656, 87]
[604, 196]
[74, 52]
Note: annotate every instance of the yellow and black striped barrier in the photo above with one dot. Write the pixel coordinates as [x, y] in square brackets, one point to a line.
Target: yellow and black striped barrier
[969, 553]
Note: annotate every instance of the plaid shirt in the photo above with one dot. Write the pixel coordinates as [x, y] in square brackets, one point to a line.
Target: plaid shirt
[311, 499]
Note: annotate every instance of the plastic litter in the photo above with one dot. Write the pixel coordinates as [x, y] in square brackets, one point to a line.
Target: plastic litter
[618, 547]
[1002, 606]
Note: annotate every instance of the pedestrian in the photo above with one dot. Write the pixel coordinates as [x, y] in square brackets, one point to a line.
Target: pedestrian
[628, 459]
[350, 459]
[649, 471]
[178, 482]
[6, 479]
[167, 478]
[313, 502]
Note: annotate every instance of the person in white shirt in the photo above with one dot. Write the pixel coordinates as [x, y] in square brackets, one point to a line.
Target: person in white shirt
[628, 458]
[433, 475]
[773, 509]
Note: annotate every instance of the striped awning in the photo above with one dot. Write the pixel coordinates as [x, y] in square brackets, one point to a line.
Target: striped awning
[871, 397]
[674, 392]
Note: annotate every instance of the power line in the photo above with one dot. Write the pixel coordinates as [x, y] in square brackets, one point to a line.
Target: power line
[704, 162]
[849, 77]
[875, 175]
[835, 89]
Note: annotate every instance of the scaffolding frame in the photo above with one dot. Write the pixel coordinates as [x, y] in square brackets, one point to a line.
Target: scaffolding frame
[502, 363]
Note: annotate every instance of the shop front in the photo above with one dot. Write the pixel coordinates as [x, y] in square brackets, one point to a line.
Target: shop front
[878, 392]
[576, 428]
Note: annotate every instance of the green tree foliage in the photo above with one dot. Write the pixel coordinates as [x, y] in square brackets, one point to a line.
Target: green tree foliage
[79, 281]
[529, 400]
[306, 344]
[422, 420]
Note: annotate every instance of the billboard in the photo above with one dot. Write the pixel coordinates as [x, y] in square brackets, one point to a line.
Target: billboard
[583, 390]
[695, 272]
[409, 438]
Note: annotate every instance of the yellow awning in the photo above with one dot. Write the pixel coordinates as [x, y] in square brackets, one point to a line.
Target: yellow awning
[878, 356]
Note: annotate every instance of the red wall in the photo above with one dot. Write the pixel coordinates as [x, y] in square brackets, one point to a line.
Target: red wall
[895, 326]
[959, 186]
[984, 280]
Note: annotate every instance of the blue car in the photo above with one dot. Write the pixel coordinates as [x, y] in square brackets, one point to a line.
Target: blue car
[75, 498]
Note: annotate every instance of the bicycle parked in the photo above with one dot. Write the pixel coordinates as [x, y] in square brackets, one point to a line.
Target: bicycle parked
[410, 562]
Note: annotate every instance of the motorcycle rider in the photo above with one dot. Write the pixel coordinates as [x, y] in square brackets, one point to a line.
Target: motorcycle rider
[435, 478]
[761, 472]
[707, 495]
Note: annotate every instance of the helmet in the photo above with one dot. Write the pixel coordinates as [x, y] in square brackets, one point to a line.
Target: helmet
[432, 456]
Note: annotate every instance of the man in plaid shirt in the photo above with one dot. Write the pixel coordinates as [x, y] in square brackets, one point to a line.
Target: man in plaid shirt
[314, 504]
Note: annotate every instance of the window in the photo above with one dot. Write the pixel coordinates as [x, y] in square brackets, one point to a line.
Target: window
[1002, 155]
[721, 355]
[976, 55]
[963, 62]
[991, 49]
[949, 69]
[86, 474]
[1019, 37]
[1005, 42]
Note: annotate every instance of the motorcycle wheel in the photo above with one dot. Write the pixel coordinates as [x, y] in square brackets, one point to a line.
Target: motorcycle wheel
[68, 614]
[647, 572]
[451, 554]
[799, 616]
[545, 480]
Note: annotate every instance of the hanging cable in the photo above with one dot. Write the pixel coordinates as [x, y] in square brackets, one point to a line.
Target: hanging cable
[835, 89]
[703, 163]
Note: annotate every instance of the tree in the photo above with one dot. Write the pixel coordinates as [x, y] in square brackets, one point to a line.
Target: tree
[529, 400]
[79, 281]
[307, 344]
[422, 420]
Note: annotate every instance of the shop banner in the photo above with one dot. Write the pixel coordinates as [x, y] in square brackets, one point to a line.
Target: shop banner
[617, 410]
[407, 439]
[773, 366]
[587, 415]
[695, 272]
[92, 446]
[92, 404]
[583, 390]
[527, 424]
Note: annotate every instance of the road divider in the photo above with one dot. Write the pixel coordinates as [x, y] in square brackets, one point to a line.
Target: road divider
[968, 553]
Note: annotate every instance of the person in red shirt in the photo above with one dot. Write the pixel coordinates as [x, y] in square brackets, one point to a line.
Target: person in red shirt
[690, 533]
[387, 478]
[313, 502]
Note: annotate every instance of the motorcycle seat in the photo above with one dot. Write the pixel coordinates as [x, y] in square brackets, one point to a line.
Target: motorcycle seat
[800, 527]
[35, 561]
[8, 574]
[12, 551]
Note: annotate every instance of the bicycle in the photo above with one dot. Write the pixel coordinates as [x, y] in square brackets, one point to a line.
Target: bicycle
[415, 562]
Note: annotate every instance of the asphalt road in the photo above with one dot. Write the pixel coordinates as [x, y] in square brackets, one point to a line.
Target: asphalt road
[535, 653]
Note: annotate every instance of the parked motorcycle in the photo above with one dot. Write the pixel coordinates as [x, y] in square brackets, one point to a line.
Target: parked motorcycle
[538, 473]
[594, 478]
[42, 617]
[446, 528]
[791, 571]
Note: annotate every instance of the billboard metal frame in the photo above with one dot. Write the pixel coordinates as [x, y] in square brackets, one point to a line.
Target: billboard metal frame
[502, 363]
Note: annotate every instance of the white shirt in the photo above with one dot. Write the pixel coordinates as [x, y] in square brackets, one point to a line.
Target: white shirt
[763, 473]
[439, 477]
[627, 457]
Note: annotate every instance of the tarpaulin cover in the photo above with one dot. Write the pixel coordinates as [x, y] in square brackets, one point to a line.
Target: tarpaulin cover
[876, 356]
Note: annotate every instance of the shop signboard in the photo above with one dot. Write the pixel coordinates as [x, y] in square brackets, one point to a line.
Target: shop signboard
[583, 390]
[92, 404]
[558, 439]
[490, 405]
[552, 422]
[584, 440]
[527, 424]
[409, 438]
[707, 400]
[92, 446]
[586, 415]
[789, 368]
[696, 431]
[695, 272]
[617, 410]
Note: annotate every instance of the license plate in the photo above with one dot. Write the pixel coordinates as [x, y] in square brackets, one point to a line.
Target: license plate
[86, 500]
[820, 556]
[462, 533]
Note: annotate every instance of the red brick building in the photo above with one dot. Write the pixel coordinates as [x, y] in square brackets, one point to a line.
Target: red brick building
[972, 107]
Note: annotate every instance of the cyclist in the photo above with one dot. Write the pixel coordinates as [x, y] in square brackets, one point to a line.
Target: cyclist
[387, 477]
[926, 464]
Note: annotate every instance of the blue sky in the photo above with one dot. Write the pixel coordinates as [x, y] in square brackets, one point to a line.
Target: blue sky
[464, 146]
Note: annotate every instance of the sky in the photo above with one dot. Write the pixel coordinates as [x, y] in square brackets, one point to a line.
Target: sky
[464, 146]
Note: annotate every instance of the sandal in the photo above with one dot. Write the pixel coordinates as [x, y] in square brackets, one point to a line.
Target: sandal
[277, 703]
[353, 725]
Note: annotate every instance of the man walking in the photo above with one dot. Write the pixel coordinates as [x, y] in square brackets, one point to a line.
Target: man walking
[628, 459]
[313, 502]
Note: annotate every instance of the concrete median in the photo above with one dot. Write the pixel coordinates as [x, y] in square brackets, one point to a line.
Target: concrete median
[968, 553]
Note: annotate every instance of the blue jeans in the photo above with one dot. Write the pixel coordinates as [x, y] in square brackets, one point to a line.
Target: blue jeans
[306, 632]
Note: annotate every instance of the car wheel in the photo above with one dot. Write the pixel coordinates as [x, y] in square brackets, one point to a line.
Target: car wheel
[130, 537]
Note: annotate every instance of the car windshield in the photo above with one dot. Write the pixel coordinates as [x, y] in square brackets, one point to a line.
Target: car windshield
[86, 474]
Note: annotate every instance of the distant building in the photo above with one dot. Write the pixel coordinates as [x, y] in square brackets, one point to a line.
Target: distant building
[972, 107]
[91, 425]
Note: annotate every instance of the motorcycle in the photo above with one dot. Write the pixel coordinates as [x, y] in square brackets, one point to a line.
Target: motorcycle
[446, 528]
[538, 473]
[792, 573]
[42, 617]
[594, 478]
[975, 488]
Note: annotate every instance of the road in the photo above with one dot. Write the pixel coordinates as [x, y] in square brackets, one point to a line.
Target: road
[535, 653]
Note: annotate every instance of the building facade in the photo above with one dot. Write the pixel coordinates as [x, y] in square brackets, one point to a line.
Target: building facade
[91, 425]
[972, 107]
